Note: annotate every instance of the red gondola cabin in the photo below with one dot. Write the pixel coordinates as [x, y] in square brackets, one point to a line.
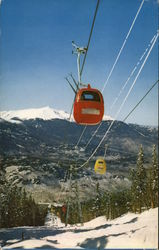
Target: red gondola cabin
[88, 106]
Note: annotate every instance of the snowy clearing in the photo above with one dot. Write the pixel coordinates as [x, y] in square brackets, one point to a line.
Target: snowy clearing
[128, 231]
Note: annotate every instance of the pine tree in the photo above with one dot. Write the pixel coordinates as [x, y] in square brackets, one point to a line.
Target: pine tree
[107, 205]
[141, 181]
[139, 184]
[16, 209]
[133, 190]
[3, 198]
[1, 194]
[98, 201]
[153, 180]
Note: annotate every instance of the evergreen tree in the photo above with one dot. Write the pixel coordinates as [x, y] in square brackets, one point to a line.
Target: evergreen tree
[139, 184]
[141, 181]
[2, 198]
[153, 180]
[107, 205]
[97, 203]
[16, 209]
[133, 190]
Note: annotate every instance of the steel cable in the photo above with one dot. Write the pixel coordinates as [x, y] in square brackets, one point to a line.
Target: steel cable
[121, 106]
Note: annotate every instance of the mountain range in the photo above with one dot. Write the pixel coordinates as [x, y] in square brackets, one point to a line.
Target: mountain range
[45, 113]
[37, 147]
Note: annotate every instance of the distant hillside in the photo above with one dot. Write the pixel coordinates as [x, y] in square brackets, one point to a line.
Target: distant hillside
[36, 153]
[44, 137]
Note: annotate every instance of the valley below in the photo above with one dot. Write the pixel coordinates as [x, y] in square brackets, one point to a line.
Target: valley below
[37, 154]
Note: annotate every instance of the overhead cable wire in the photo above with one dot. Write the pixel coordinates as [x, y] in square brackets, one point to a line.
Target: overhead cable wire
[117, 58]
[131, 74]
[93, 135]
[123, 45]
[143, 64]
[116, 149]
[132, 110]
[81, 136]
[122, 104]
[141, 100]
[113, 149]
[89, 39]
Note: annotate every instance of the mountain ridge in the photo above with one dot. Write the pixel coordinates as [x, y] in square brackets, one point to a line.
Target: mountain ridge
[44, 113]
[37, 153]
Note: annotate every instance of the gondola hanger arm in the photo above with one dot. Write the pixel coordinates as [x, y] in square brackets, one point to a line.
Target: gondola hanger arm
[71, 86]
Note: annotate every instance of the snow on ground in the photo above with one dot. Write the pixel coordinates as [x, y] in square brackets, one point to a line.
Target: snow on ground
[128, 231]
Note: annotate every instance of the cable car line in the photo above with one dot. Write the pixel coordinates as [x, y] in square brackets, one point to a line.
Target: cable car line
[140, 100]
[143, 64]
[81, 136]
[117, 58]
[102, 170]
[110, 147]
[71, 85]
[123, 45]
[89, 39]
[121, 106]
[115, 149]
[79, 77]
[93, 135]
[100, 165]
[132, 73]
[76, 84]
[121, 90]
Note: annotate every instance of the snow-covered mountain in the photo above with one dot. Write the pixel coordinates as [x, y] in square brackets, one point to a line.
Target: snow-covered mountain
[45, 113]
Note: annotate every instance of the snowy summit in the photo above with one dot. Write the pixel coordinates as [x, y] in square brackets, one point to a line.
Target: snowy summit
[45, 113]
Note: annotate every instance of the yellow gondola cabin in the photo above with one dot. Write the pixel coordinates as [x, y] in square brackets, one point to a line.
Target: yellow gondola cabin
[100, 166]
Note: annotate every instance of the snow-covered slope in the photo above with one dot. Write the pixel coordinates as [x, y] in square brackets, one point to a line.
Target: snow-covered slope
[45, 113]
[128, 231]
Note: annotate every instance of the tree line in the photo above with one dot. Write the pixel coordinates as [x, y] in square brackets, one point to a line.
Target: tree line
[16, 207]
[142, 195]
[19, 209]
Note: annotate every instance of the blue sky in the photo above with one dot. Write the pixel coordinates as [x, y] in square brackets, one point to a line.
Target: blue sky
[36, 53]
